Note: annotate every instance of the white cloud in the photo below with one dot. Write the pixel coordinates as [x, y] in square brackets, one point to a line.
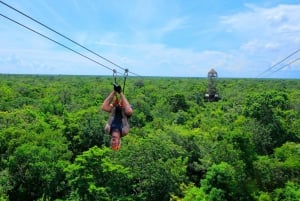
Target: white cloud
[172, 25]
[257, 46]
[109, 39]
[265, 22]
[262, 43]
[264, 36]
[158, 59]
[267, 34]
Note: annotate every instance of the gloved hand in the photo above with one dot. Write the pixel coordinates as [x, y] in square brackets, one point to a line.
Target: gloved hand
[117, 88]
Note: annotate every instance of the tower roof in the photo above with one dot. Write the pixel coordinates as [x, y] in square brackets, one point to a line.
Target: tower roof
[212, 73]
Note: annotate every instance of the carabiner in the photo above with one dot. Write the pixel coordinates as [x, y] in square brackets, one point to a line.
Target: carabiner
[126, 72]
[115, 75]
[125, 77]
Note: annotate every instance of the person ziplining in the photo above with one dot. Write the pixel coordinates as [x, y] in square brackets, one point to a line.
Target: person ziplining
[117, 125]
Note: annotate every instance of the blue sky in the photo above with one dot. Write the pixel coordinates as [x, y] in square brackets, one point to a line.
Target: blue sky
[154, 37]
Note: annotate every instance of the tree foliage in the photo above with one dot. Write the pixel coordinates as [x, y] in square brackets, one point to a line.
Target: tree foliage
[243, 147]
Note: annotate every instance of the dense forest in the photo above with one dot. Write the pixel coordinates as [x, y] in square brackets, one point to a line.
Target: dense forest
[53, 146]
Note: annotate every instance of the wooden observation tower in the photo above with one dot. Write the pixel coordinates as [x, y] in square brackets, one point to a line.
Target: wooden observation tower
[212, 93]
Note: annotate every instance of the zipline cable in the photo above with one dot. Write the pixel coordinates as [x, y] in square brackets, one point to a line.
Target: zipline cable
[273, 66]
[57, 42]
[284, 66]
[51, 29]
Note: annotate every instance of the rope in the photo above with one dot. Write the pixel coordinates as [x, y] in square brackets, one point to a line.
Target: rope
[56, 42]
[285, 66]
[51, 29]
[270, 68]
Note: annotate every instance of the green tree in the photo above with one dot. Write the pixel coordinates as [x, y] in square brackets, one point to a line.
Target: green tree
[266, 109]
[290, 192]
[191, 193]
[94, 176]
[175, 139]
[84, 129]
[157, 165]
[5, 185]
[177, 102]
[36, 171]
[221, 183]
[274, 172]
